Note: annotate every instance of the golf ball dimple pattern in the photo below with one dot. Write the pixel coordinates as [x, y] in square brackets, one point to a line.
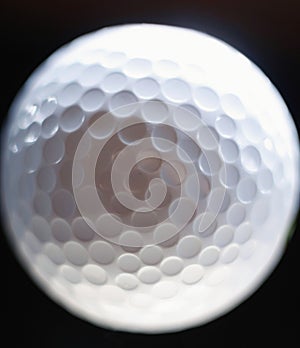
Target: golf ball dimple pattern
[149, 188]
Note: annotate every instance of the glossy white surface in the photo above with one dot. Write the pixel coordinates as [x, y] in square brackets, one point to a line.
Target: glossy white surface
[176, 219]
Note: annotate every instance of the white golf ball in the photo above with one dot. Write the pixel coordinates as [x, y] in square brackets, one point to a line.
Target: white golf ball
[150, 177]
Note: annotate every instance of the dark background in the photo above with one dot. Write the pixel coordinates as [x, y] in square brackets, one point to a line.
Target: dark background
[268, 33]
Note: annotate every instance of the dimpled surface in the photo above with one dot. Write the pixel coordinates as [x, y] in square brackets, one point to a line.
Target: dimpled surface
[149, 177]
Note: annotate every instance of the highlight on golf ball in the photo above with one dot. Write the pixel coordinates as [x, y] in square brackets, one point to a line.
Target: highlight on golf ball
[150, 177]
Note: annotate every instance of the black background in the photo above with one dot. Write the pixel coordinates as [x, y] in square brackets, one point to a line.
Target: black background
[268, 33]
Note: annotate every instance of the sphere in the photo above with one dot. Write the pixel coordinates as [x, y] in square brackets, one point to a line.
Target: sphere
[149, 177]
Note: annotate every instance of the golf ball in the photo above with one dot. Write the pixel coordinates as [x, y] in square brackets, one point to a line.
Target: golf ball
[149, 177]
